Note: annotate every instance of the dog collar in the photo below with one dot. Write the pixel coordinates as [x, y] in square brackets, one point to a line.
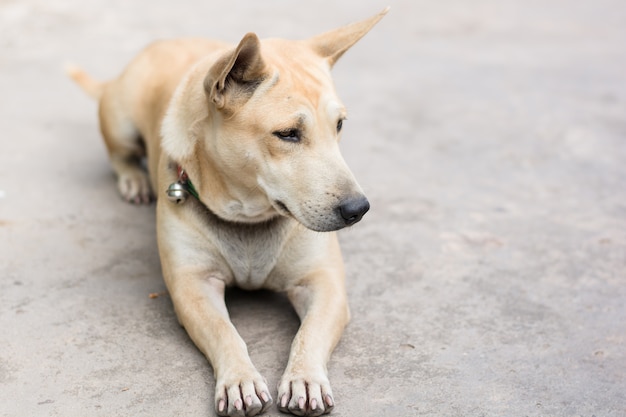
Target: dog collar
[178, 191]
[183, 179]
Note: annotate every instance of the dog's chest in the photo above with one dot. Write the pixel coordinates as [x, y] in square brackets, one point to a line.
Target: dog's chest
[252, 251]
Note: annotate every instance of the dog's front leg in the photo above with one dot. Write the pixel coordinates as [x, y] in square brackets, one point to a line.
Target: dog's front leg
[321, 302]
[199, 301]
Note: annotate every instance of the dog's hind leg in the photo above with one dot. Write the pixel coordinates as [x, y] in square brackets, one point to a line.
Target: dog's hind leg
[126, 149]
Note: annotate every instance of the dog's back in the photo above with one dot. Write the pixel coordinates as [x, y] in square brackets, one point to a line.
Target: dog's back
[132, 106]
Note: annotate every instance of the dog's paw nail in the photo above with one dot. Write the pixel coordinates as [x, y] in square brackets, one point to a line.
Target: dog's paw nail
[283, 401]
[238, 404]
[329, 400]
[249, 400]
[221, 406]
[301, 403]
[264, 397]
[313, 404]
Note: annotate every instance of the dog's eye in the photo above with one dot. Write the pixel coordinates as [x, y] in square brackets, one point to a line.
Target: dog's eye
[339, 125]
[289, 135]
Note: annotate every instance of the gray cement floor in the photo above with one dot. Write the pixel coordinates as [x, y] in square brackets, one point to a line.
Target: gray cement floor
[487, 280]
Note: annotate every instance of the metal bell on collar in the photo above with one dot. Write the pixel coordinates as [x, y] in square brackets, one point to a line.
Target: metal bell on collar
[177, 193]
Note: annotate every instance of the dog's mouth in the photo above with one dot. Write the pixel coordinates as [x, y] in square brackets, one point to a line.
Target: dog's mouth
[347, 213]
[282, 208]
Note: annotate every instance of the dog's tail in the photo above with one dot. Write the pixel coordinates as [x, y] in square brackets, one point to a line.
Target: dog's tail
[91, 86]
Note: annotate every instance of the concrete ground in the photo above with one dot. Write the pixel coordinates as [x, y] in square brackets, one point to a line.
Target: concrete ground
[489, 278]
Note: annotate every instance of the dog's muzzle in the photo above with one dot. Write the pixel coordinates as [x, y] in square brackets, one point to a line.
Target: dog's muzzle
[346, 213]
[353, 209]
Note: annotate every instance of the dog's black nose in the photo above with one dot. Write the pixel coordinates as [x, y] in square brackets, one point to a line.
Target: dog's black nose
[352, 210]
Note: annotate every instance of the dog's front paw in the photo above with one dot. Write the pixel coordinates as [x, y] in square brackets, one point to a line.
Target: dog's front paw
[305, 395]
[242, 397]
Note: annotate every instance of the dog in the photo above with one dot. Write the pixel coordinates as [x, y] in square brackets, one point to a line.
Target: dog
[240, 145]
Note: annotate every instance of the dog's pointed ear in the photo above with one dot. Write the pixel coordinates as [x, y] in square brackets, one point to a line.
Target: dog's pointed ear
[236, 74]
[332, 44]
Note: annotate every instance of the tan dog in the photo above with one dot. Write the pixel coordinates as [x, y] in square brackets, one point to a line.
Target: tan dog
[252, 133]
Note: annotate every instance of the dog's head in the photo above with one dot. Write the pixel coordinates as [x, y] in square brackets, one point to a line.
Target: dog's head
[273, 126]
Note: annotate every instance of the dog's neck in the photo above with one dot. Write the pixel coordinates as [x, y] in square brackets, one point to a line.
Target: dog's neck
[223, 204]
